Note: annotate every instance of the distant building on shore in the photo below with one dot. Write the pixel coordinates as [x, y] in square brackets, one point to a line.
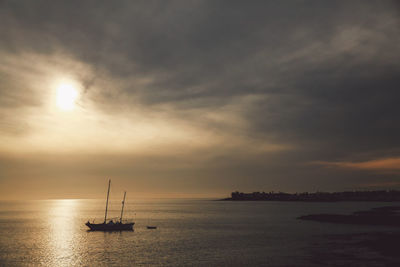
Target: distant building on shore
[382, 195]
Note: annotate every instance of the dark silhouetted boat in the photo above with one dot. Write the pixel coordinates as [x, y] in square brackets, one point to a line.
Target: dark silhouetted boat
[111, 225]
[149, 226]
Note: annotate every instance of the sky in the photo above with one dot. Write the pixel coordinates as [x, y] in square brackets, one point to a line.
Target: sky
[198, 98]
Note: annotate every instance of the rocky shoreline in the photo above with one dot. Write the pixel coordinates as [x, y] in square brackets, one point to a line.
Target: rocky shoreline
[389, 216]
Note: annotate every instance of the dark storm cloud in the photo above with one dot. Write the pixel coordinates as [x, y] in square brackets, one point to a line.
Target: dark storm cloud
[324, 75]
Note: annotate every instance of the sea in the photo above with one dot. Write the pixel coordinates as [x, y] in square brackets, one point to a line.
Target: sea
[191, 232]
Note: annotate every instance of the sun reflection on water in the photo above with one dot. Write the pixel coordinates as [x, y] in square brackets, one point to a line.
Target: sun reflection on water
[63, 246]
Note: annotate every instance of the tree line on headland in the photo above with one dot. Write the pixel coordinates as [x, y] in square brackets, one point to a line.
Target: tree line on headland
[381, 195]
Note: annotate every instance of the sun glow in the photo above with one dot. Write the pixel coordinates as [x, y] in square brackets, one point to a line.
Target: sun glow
[67, 95]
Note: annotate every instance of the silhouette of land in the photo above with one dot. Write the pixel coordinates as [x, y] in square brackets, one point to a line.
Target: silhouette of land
[389, 216]
[382, 195]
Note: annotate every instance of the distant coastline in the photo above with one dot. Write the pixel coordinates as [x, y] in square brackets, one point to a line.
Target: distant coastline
[381, 195]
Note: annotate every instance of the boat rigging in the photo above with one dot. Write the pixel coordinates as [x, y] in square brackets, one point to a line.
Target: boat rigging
[111, 225]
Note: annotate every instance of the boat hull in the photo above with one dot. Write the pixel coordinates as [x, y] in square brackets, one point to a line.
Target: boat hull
[108, 227]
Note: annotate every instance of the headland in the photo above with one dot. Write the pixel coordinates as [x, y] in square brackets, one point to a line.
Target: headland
[381, 195]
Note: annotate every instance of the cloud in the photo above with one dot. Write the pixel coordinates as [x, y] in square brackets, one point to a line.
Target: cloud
[385, 164]
[390, 184]
[262, 88]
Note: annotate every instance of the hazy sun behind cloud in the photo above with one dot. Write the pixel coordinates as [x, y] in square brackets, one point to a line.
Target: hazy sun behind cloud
[67, 95]
[239, 97]
[73, 118]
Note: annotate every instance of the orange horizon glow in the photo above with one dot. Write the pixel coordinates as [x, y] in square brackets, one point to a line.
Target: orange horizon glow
[383, 164]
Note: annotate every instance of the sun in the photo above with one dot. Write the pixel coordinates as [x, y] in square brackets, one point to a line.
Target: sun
[67, 95]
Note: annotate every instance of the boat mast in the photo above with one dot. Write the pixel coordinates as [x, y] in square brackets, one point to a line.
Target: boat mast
[108, 193]
[122, 210]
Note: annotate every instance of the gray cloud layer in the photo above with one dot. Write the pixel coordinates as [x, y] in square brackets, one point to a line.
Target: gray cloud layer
[323, 77]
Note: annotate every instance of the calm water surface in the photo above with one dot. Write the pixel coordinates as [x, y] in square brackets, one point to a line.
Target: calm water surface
[190, 232]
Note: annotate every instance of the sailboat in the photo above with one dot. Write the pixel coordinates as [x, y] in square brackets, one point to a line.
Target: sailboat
[111, 225]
